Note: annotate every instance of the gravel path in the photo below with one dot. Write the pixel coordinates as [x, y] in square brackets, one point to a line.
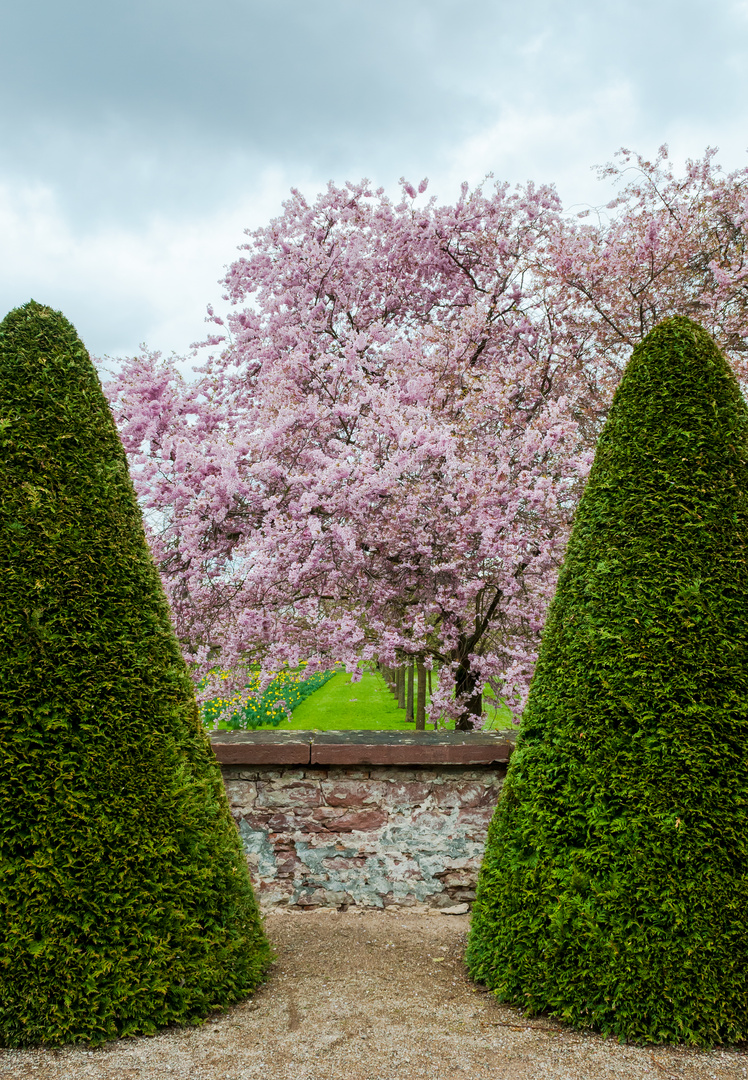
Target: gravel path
[372, 996]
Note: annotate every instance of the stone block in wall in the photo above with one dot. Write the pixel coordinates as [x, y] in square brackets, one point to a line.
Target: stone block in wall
[241, 794]
[365, 820]
[361, 791]
[467, 794]
[285, 792]
[399, 793]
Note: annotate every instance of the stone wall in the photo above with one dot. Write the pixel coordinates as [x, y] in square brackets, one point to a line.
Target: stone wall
[371, 835]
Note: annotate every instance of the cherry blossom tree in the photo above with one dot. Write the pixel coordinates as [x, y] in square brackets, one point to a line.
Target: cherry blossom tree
[380, 461]
[381, 457]
[666, 244]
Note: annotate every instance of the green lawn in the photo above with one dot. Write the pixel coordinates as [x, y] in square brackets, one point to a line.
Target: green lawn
[341, 705]
[499, 716]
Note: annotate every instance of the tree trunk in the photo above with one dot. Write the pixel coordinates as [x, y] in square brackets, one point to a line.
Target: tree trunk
[401, 687]
[421, 699]
[390, 679]
[465, 685]
[409, 702]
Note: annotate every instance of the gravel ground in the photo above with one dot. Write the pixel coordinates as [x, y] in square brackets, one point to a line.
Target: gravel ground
[372, 996]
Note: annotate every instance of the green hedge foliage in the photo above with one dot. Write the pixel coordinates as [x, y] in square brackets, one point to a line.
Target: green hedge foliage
[614, 891]
[125, 902]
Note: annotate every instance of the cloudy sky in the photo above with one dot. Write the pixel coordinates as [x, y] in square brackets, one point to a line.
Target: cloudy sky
[138, 140]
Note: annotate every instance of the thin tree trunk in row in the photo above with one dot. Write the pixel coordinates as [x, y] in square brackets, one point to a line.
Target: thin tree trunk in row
[409, 704]
[421, 699]
[401, 687]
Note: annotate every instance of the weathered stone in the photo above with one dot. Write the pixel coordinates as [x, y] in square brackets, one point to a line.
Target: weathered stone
[456, 878]
[311, 898]
[443, 900]
[474, 822]
[349, 792]
[430, 819]
[467, 895]
[312, 826]
[469, 794]
[278, 822]
[340, 862]
[337, 772]
[276, 893]
[384, 836]
[286, 793]
[241, 794]
[335, 899]
[406, 793]
[363, 821]
[327, 813]
[260, 747]
[411, 748]
[405, 775]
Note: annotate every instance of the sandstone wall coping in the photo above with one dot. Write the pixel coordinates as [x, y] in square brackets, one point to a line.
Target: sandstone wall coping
[351, 748]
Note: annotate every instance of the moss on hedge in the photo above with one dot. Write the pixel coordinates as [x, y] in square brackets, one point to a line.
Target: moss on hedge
[125, 902]
[614, 891]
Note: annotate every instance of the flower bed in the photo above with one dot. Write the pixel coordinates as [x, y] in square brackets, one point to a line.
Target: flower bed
[287, 690]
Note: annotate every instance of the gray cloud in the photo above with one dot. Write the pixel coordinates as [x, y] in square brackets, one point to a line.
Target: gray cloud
[123, 117]
[185, 81]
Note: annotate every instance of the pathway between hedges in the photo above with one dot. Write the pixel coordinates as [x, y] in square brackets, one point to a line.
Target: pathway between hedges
[372, 996]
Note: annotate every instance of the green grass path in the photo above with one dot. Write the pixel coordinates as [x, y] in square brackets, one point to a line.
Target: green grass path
[342, 705]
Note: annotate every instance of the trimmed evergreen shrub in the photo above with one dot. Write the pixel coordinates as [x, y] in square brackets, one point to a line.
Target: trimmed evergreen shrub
[125, 902]
[614, 890]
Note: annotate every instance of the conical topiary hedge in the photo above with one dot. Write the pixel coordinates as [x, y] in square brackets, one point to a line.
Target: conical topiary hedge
[614, 891]
[125, 902]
